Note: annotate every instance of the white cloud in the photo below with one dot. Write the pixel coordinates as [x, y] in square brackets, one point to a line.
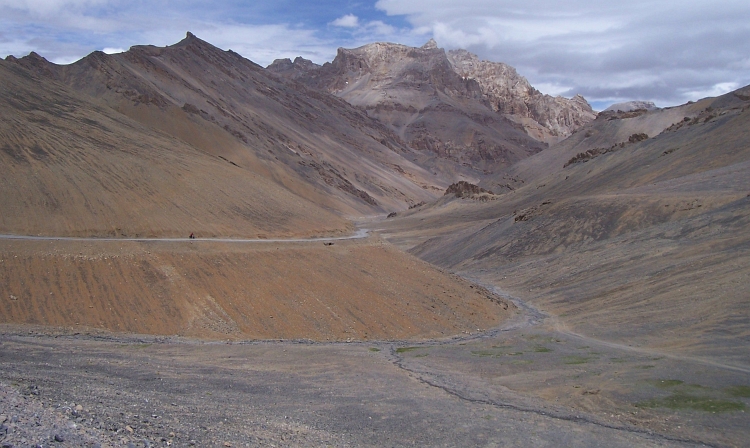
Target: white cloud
[51, 35]
[111, 50]
[715, 90]
[553, 89]
[374, 28]
[264, 43]
[347, 21]
[380, 28]
[660, 51]
[639, 50]
[48, 7]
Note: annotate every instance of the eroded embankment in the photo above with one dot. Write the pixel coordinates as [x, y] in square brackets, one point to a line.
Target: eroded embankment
[360, 290]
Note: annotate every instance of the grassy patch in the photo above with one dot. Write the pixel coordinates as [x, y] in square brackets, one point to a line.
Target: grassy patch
[647, 366]
[374, 349]
[542, 349]
[576, 359]
[484, 353]
[739, 391]
[422, 355]
[406, 349]
[680, 400]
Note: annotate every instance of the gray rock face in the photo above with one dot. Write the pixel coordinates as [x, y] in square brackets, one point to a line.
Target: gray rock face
[417, 93]
[630, 106]
[511, 94]
[480, 114]
[291, 69]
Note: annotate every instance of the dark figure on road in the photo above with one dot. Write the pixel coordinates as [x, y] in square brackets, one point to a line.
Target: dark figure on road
[192, 237]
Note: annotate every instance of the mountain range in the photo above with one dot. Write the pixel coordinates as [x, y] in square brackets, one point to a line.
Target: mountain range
[500, 217]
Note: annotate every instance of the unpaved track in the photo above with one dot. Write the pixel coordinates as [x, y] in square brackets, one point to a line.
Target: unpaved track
[359, 234]
[531, 316]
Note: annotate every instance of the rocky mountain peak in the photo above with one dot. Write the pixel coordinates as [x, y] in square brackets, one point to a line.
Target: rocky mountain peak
[452, 105]
[430, 45]
[511, 94]
[630, 106]
[289, 69]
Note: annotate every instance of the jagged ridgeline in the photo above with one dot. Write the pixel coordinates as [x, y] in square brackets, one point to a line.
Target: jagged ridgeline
[463, 115]
[201, 138]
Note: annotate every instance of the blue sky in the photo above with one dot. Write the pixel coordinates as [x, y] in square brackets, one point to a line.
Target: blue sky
[664, 51]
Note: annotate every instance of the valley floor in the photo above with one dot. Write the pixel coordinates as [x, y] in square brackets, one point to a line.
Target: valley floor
[502, 390]
[520, 384]
[480, 374]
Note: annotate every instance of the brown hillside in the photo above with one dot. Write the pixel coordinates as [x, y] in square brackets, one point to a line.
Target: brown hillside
[644, 245]
[350, 290]
[313, 144]
[72, 166]
[164, 142]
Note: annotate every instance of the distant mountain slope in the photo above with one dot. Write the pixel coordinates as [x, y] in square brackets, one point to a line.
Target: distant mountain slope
[416, 92]
[456, 115]
[644, 239]
[544, 117]
[71, 166]
[610, 131]
[313, 144]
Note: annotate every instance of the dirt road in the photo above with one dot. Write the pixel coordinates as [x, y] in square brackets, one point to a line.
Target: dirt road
[359, 234]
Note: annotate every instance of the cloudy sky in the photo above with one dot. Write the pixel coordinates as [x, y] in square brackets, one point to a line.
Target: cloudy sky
[664, 51]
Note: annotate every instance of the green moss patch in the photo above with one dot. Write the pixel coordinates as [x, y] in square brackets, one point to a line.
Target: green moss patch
[521, 362]
[682, 401]
[407, 349]
[739, 391]
[484, 353]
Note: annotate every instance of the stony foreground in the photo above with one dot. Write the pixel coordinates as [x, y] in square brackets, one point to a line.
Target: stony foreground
[520, 385]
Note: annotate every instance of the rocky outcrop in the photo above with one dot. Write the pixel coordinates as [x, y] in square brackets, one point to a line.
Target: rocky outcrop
[465, 116]
[386, 73]
[510, 94]
[289, 69]
[630, 106]
[463, 188]
[419, 95]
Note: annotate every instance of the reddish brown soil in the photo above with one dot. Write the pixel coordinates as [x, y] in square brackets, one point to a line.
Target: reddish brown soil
[357, 290]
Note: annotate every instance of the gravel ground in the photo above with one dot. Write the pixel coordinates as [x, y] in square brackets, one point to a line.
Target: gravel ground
[148, 393]
[26, 422]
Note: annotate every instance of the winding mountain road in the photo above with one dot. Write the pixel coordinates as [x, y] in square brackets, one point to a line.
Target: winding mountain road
[359, 234]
